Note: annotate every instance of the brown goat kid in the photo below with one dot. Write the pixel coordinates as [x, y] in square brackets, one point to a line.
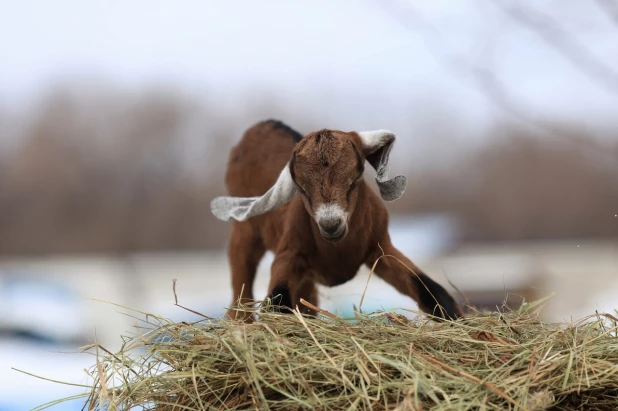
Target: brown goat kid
[326, 233]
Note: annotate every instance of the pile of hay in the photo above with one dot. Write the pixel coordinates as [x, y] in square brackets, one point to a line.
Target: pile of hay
[498, 360]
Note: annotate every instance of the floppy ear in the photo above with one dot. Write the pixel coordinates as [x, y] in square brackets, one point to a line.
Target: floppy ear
[242, 208]
[377, 145]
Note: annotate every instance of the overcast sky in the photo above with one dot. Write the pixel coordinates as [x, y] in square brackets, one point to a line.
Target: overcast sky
[349, 58]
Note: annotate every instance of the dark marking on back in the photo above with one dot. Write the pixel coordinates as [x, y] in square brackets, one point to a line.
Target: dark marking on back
[279, 125]
[280, 297]
[434, 299]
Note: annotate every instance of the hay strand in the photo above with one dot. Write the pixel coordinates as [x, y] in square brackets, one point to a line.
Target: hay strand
[500, 360]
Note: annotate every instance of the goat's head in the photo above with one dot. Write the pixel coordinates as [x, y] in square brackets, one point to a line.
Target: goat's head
[325, 169]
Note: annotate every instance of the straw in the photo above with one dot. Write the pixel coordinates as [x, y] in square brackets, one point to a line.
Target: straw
[381, 361]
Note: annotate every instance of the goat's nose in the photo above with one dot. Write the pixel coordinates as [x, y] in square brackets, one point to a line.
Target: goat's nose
[330, 226]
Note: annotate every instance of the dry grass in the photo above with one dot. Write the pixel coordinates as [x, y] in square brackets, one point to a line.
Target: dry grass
[498, 360]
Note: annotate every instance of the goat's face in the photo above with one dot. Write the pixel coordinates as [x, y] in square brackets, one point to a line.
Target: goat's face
[327, 167]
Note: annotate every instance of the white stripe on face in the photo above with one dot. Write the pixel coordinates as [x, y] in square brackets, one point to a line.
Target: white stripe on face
[331, 211]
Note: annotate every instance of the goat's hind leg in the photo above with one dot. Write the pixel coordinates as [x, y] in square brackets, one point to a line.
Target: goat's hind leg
[245, 251]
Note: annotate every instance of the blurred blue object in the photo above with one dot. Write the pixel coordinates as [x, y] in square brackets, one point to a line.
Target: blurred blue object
[72, 405]
[38, 309]
[40, 327]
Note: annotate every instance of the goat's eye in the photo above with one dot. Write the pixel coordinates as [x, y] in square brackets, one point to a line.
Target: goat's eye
[355, 182]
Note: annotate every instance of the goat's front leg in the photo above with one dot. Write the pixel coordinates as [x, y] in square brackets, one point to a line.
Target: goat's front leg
[308, 291]
[289, 282]
[397, 270]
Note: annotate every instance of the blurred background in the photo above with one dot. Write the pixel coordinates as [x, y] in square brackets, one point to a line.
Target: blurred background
[116, 119]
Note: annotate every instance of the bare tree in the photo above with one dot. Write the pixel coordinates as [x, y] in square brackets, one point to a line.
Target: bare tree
[491, 86]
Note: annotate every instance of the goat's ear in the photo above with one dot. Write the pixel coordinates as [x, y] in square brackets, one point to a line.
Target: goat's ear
[377, 146]
[242, 208]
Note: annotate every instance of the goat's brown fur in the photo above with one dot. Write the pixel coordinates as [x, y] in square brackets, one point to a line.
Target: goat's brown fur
[327, 167]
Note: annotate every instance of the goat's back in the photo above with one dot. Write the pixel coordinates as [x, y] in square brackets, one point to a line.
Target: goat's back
[257, 160]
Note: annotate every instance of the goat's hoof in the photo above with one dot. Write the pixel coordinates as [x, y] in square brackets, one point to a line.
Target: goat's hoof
[280, 300]
[435, 300]
[276, 308]
[448, 312]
